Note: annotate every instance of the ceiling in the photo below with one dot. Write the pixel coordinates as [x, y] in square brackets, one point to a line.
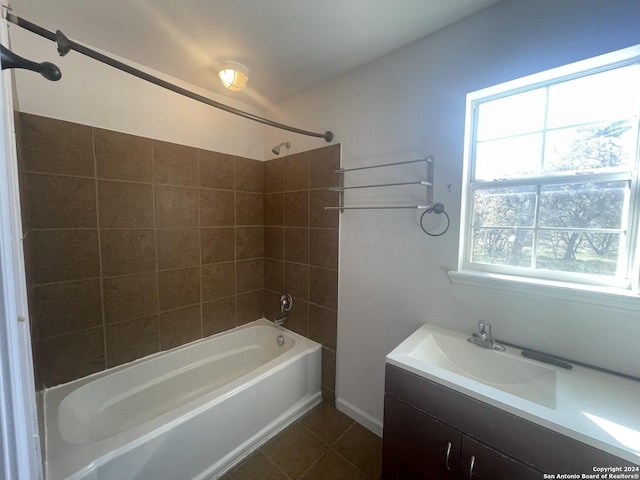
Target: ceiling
[287, 45]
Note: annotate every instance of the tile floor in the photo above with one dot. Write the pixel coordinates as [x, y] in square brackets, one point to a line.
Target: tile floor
[325, 444]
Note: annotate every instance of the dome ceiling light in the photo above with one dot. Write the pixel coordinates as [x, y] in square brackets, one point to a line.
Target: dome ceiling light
[234, 76]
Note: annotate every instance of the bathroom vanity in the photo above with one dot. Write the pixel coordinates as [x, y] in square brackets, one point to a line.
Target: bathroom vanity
[456, 411]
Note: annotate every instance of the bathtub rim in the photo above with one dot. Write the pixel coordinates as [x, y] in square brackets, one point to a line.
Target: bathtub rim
[138, 435]
[147, 358]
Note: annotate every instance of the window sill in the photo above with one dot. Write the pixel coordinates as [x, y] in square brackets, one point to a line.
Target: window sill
[579, 294]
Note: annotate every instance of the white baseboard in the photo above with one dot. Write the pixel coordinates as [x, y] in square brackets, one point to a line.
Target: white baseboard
[359, 416]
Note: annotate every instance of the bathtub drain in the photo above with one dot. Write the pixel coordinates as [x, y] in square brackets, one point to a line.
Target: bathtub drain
[280, 340]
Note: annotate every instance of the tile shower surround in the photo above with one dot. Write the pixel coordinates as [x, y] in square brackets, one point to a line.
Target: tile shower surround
[136, 245]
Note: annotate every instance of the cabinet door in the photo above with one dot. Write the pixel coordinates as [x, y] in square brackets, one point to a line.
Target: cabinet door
[480, 462]
[416, 446]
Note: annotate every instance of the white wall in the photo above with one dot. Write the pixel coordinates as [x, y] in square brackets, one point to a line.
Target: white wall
[95, 94]
[412, 103]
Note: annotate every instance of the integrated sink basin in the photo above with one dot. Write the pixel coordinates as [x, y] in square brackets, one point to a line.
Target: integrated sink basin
[449, 357]
[591, 406]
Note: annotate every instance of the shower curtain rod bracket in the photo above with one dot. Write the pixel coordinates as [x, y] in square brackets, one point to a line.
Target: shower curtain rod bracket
[64, 44]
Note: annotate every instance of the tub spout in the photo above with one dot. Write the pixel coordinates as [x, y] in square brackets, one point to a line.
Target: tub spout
[278, 322]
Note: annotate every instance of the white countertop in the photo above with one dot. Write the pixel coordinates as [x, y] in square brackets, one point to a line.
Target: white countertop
[599, 409]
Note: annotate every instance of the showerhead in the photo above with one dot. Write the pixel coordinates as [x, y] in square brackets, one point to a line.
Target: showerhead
[276, 149]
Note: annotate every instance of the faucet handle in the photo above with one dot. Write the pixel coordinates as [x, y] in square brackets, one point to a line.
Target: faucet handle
[286, 302]
[484, 327]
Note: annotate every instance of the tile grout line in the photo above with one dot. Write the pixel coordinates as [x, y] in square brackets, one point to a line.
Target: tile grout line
[273, 462]
[235, 244]
[353, 424]
[200, 246]
[99, 235]
[308, 228]
[155, 244]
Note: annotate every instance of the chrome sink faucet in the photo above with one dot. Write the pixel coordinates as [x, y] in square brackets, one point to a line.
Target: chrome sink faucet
[484, 338]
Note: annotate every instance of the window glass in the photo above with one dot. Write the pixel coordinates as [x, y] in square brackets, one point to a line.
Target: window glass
[553, 178]
[512, 115]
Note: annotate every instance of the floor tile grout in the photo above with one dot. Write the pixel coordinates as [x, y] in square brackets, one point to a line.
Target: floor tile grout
[329, 448]
[313, 464]
[275, 463]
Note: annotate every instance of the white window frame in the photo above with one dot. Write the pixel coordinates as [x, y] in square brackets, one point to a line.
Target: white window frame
[557, 284]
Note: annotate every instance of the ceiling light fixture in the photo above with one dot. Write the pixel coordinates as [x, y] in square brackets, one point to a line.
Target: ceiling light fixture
[233, 76]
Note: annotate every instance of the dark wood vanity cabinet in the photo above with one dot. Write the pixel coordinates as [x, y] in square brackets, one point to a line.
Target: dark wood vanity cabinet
[480, 462]
[417, 446]
[434, 432]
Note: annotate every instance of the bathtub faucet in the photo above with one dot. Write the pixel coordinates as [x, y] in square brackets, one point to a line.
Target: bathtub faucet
[278, 322]
[286, 302]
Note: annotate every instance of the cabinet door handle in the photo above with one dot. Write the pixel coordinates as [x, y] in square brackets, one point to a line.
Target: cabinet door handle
[471, 465]
[448, 453]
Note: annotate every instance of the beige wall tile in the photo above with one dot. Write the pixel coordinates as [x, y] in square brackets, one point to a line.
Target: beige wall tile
[61, 308]
[318, 216]
[298, 317]
[271, 304]
[54, 146]
[250, 275]
[175, 164]
[323, 287]
[296, 209]
[323, 164]
[178, 288]
[130, 340]
[177, 206]
[249, 242]
[216, 170]
[218, 316]
[179, 327]
[177, 247]
[126, 251]
[250, 307]
[125, 205]
[296, 245]
[328, 368]
[217, 208]
[218, 281]
[61, 202]
[323, 326]
[249, 175]
[249, 208]
[274, 242]
[72, 356]
[274, 175]
[60, 255]
[296, 172]
[218, 244]
[323, 248]
[131, 296]
[296, 280]
[120, 156]
[274, 275]
[274, 209]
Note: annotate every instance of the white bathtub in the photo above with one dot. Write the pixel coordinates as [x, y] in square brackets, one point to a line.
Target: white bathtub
[185, 414]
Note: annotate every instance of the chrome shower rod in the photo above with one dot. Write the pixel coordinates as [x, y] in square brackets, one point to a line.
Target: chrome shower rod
[65, 45]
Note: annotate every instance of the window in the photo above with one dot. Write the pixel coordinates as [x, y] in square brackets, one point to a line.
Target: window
[551, 175]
